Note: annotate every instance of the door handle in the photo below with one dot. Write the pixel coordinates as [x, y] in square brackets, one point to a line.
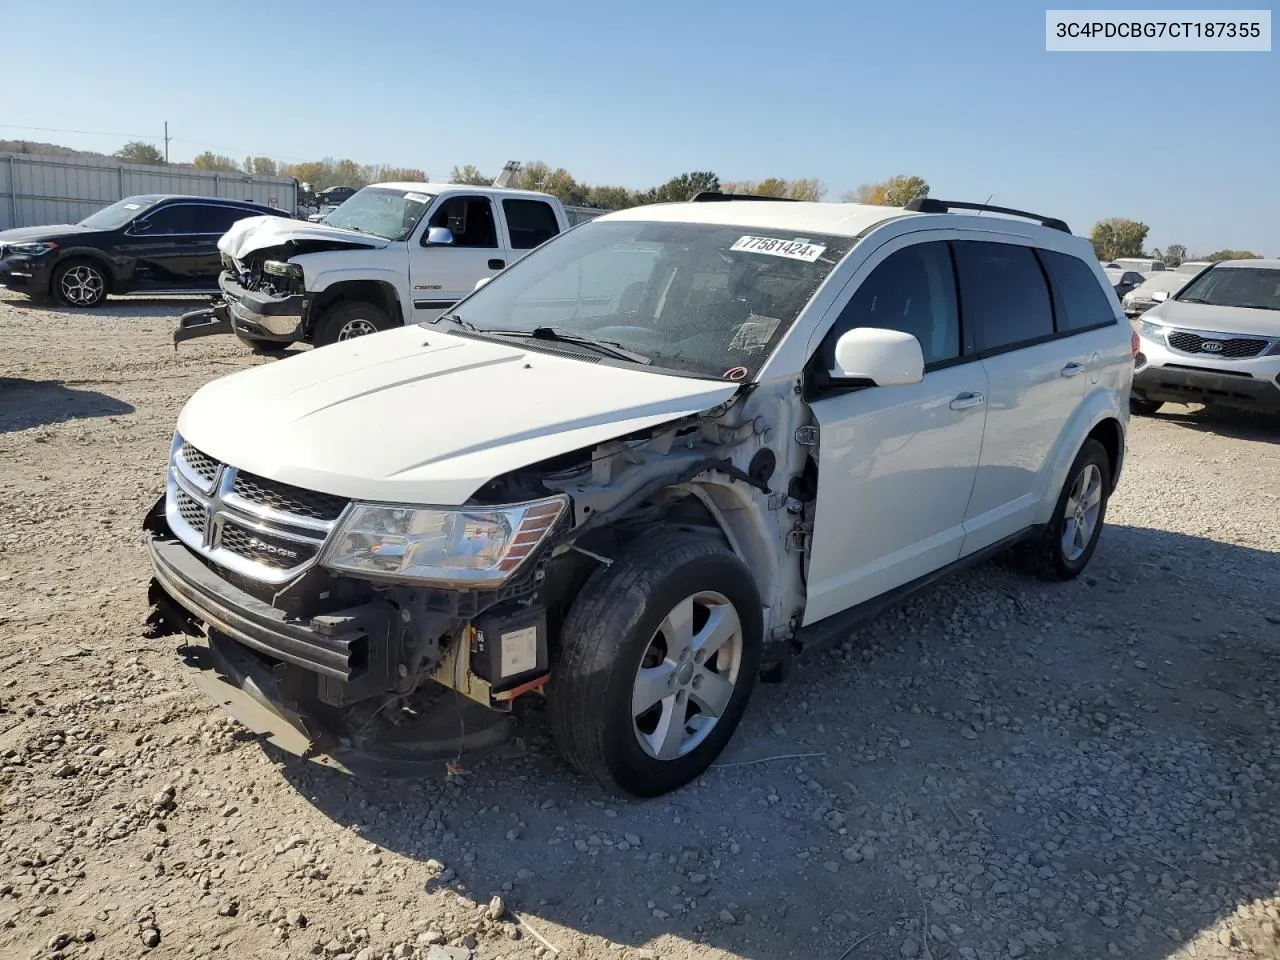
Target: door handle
[1073, 369]
[967, 400]
[497, 264]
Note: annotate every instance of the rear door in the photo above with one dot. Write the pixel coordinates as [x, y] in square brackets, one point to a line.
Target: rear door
[165, 247]
[529, 223]
[1033, 382]
[440, 276]
[896, 465]
[212, 221]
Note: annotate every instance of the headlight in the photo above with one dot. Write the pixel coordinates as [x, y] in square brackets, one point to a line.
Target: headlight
[279, 268]
[31, 249]
[1152, 331]
[468, 547]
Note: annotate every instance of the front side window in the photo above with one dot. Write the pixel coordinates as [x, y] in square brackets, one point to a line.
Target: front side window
[704, 299]
[1222, 286]
[469, 219]
[389, 214]
[1082, 303]
[912, 291]
[1003, 295]
[530, 222]
[177, 219]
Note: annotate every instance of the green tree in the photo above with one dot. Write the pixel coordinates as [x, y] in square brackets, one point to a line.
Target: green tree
[897, 191]
[137, 151]
[1118, 237]
[396, 174]
[470, 175]
[805, 189]
[215, 161]
[681, 187]
[611, 198]
[260, 166]
[1218, 255]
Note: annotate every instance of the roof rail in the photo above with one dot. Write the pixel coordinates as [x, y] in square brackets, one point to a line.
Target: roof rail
[714, 196]
[931, 205]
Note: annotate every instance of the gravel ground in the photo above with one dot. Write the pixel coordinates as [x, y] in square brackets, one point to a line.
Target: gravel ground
[1002, 768]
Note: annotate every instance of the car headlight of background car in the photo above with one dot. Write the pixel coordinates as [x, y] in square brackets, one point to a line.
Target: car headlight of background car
[464, 547]
[31, 249]
[1149, 330]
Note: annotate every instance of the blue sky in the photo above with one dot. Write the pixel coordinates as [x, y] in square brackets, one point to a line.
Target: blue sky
[962, 94]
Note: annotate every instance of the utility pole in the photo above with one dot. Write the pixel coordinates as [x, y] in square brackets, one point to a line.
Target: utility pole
[166, 141]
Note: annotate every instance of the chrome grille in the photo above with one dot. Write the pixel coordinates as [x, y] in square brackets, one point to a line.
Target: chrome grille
[200, 464]
[1226, 346]
[287, 499]
[191, 510]
[258, 528]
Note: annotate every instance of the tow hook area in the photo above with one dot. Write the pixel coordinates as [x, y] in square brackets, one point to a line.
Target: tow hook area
[209, 322]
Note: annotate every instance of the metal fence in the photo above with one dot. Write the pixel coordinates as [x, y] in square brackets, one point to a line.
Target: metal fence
[39, 190]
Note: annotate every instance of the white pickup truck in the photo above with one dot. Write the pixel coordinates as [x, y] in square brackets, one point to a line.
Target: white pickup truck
[393, 254]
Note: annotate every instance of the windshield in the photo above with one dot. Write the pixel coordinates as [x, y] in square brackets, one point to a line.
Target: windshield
[119, 213]
[390, 214]
[1257, 287]
[700, 298]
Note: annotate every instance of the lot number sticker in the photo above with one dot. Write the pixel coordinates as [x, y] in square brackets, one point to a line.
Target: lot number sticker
[791, 249]
[417, 197]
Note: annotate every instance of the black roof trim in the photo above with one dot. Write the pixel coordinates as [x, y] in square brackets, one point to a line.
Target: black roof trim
[714, 196]
[932, 205]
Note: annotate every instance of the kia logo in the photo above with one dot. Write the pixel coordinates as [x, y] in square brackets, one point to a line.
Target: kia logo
[1211, 346]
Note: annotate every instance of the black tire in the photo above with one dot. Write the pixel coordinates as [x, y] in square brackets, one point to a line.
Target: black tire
[1047, 556]
[1144, 408]
[614, 624]
[346, 317]
[80, 282]
[266, 348]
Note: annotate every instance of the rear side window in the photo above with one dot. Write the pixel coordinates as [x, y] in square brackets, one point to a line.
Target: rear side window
[1003, 295]
[214, 219]
[1081, 302]
[531, 223]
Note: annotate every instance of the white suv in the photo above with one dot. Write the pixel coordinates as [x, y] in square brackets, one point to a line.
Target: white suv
[633, 472]
[1216, 341]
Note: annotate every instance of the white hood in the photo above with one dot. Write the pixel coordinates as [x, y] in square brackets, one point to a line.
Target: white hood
[260, 233]
[416, 415]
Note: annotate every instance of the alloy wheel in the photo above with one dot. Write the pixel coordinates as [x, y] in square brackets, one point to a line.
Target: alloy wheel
[687, 675]
[1080, 516]
[82, 285]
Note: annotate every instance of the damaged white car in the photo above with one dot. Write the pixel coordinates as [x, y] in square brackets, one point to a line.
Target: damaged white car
[634, 473]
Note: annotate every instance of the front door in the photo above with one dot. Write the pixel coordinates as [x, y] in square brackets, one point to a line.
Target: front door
[440, 276]
[896, 465]
[165, 247]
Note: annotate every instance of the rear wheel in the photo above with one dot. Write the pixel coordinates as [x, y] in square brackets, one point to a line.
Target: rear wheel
[1068, 543]
[349, 319]
[657, 660]
[80, 283]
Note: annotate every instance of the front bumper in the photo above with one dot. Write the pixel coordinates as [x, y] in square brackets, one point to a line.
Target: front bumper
[1167, 376]
[28, 274]
[261, 316]
[299, 681]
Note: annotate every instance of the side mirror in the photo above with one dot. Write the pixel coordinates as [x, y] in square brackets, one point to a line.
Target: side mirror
[888, 358]
[1158, 295]
[482, 281]
[140, 226]
[439, 237]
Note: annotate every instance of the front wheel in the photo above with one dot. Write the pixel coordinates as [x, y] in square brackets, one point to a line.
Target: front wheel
[80, 283]
[349, 319]
[657, 660]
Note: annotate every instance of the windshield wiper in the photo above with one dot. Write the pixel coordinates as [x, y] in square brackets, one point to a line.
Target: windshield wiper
[456, 318]
[607, 347]
[1192, 300]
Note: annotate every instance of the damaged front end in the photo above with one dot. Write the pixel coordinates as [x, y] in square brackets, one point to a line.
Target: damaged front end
[315, 625]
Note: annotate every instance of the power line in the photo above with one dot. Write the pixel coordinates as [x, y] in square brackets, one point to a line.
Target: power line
[143, 136]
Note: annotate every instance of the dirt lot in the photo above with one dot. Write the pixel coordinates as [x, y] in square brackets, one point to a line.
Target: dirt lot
[1002, 768]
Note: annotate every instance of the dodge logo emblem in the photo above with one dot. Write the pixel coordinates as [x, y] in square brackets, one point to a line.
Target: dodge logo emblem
[1211, 346]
